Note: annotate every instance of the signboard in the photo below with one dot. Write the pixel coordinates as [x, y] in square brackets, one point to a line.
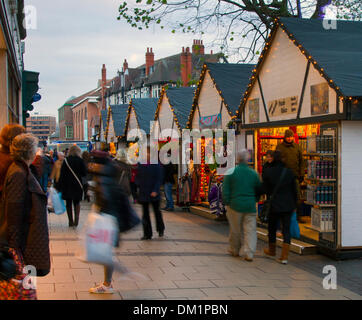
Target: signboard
[210, 122]
[319, 95]
[254, 111]
[283, 106]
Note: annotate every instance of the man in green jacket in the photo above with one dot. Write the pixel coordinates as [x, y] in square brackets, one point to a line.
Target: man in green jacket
[241, 191]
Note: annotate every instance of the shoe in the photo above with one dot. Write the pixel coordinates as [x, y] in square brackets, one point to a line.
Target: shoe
[247, 258]
[102, 289]
[170, 209]
[161, 234]
[285, 252]
[271, 251]
[71, 224]
[146, 238]
[165, 208]
[232, 253]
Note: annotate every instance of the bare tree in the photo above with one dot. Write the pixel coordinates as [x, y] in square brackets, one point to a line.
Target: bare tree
[239, 27]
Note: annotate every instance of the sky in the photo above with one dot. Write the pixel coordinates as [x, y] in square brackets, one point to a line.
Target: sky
[72, 39]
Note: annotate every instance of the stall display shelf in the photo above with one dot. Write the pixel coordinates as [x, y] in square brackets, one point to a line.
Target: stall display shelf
[318, 229]
[320, 204]
[278, 137]
[320, 180]
[314, 154]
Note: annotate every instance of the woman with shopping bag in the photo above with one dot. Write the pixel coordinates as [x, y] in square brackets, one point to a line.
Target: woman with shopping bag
[113, 204]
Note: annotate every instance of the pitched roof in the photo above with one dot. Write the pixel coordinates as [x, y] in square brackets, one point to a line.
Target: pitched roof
[337, 51]
[232, 80]
[119, 116]
[145, 110]
[181, 101]
[104, 114]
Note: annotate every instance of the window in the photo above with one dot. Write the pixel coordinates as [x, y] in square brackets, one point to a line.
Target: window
[69, 132]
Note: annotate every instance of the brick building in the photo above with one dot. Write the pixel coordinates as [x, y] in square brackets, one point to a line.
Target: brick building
[41, 126]
[65, 119]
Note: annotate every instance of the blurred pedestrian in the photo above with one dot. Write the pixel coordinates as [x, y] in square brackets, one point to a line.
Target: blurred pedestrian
[134, 188]
[169, 181]
[215, 198]
[85, 180]
[23, 219]
[149, 179]
[241, 191]
[268, 161]
[55, 175]
[124, 171]
[280, 185]
[7, 134]
[70, 183]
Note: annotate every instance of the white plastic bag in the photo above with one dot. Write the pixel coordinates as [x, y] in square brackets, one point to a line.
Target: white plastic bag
[56, 202]
[101, 232]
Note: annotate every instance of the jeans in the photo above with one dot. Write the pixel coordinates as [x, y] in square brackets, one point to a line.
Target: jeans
[274, 218]
[242, 225]
[168, 194]
[146, 220]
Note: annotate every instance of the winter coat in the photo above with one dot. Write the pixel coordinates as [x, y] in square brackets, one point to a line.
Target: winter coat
[292, 157]
[68, 184]
[169, 171]
[5, 162]
[23, 217]
[149, 179]
[124, 175]
[242, 189]
[215, 199]
[285, 199]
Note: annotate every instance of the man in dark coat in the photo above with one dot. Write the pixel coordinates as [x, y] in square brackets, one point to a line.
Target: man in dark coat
[292, 156]
[283, 203]
[149, 179]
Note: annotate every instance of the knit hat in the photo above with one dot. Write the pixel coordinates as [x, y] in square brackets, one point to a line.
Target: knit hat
[288, 133]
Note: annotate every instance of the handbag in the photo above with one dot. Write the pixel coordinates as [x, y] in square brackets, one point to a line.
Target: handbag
[128, 218]
[56, 202]
[265, 211]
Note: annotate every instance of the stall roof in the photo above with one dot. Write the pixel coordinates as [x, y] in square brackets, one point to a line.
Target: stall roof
[232, 80]
[119, 116]
[104, 114]
[181, 101]
[145, 111]
[338, 51]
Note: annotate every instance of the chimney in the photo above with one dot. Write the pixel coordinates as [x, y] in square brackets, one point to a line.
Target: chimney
[125, 65]
[104, 82]
[150, 60]
[198, 47]
[186, 66]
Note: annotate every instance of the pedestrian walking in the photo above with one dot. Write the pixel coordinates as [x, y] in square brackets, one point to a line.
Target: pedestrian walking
[7, 134]
[149, 179]
[124, 171]
[169, 181]
[85, 180]
[70, 183]
[292, 156]
[23, 220]
[280, 186]
[241, 192]
[134, 188]
[55, 175]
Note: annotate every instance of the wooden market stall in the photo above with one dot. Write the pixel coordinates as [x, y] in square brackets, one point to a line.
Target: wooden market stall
[173, 110]
[116, 125]
[308, 79]
[216, 102]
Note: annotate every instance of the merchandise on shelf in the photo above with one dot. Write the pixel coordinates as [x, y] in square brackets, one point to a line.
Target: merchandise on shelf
[321, 169]
[320, 194]
[324, 144]
[323, 219]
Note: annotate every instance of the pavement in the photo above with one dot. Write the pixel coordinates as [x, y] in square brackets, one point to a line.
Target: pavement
[190, 262]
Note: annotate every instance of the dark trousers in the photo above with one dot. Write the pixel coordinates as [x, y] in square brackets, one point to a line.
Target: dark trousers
[76, 204]
[274, 218]
[146, 220]
[134, 191]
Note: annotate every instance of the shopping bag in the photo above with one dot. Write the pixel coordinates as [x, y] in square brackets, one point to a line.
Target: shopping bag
[100, 236]
[55, 201]
[294, 226]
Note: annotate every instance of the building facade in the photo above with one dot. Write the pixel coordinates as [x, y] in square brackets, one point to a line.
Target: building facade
[12, 34]
[65, 118]
[41, 126]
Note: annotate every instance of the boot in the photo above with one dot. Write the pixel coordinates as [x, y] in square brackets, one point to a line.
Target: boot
[285, 252]
[76, 213]
[271, 251]
[70, 218]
